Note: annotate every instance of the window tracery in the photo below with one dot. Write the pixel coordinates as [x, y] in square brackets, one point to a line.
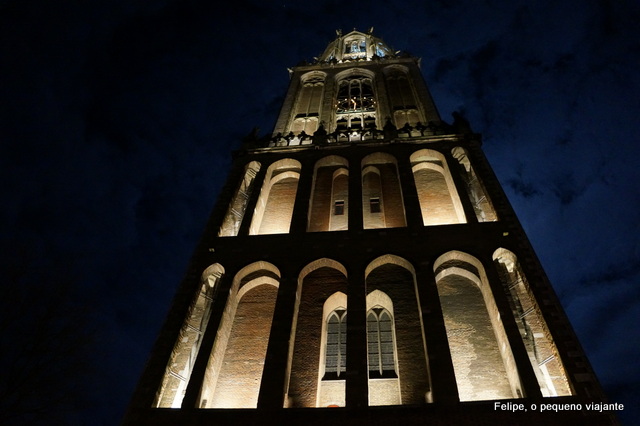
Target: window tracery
[336, 346]
[380, 343]
[355, 103]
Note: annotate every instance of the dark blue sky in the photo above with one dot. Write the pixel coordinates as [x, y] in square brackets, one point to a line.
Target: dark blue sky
[118, 117]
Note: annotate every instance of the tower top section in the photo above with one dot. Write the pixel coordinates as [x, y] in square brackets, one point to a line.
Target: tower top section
[355, 46]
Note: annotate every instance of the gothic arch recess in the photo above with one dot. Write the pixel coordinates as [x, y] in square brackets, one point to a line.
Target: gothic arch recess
[402, 99]
[187, 346]
[277, 197]
[307, 109]
[234, 372]
[391, 285]
[439, 200]
[322, 289]
[481, 353]
[355, 100]
[329, 204]
[537, 339]
[475, 189]
[382, 203]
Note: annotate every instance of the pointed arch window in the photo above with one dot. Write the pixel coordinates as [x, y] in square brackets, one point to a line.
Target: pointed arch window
[401, 96]
[336, 347]
[355, 103]
[309, 103]
[380, 344]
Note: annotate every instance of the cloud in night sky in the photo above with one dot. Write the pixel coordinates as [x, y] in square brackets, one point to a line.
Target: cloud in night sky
[117, 120]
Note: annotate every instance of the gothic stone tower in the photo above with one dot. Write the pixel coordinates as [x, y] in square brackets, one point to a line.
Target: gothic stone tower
[364, 266]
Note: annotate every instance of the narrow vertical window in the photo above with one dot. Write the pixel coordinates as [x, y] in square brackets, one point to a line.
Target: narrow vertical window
[380, 344]
[336, 347]
[338, 208]
[382, 353]
[374, 205]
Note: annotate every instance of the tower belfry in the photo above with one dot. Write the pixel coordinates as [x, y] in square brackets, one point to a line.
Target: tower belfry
[363, 264]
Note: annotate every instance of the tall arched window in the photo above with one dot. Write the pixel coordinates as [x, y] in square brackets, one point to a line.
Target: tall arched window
[277, 198]
[187, 346]
[355, 102]
[335, 360]
[380, 343]
[329, 206]
[439, 200]
[237, 207]
[401, 97]
[333, 356]
[322, 288]
[234, 372]
[481, 353]
[382, 202]
[475, 189]
[397, 359]
[308, 104]
[541, 348]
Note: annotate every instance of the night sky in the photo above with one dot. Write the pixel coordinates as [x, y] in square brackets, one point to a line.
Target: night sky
[118, 117]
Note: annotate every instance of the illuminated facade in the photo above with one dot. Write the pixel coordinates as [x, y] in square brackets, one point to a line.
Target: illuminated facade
[363, 263]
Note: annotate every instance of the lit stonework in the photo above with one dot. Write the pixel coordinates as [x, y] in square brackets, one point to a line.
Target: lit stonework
[363, 263]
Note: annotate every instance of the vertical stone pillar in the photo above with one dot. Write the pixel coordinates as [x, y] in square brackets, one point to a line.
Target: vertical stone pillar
[300, 215]
[412, 208]
[357, 383]
[272, 386]
[355, 193]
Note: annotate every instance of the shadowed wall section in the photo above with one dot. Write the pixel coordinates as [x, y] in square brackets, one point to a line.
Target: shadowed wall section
[329, 207]
[382, 203]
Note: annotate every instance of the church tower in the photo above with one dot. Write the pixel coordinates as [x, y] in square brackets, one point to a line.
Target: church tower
[364, 266]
